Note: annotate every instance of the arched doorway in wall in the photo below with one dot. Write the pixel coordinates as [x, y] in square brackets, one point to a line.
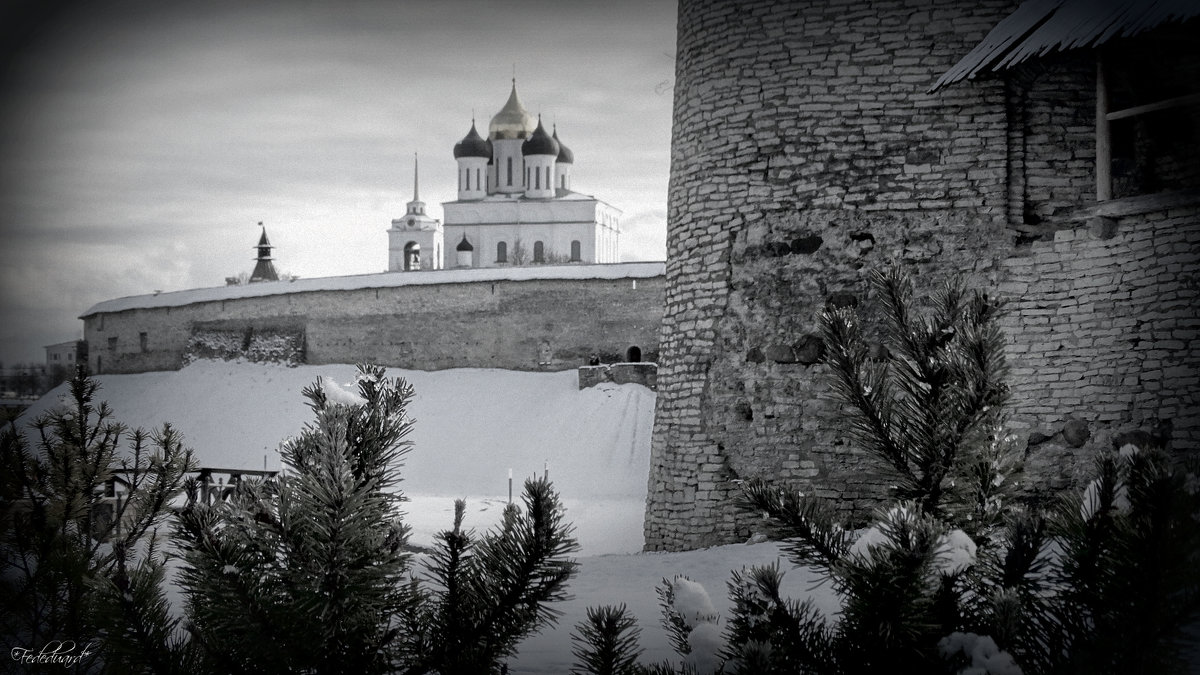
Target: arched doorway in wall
[412, 256]
[502, 252]
[633, 354]
[576, 251]
[539, 252]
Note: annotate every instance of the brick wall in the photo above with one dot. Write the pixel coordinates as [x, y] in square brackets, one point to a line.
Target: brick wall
[519, 325]
[1104, 333]
[1057, 138]
[806, 151]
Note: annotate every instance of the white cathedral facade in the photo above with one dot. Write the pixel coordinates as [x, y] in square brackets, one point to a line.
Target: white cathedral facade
[515, 205]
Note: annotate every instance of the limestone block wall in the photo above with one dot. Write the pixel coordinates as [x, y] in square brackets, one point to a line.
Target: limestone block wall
[1055, 144]
[805, 149]
[1104, 339]
[514, 324]
[645, 374]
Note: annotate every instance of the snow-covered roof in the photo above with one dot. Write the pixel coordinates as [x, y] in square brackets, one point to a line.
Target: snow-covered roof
[638, 270]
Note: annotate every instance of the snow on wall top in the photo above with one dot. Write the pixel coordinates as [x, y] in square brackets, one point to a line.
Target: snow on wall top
[639, 270]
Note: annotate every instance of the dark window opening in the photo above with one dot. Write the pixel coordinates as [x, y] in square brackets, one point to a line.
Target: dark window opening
[510, 170]
[144, 341]
[576, 251]
[633, 354]
[1148, 140]
[112, 343]
[501, 252]
[539, 252]
[412, 256]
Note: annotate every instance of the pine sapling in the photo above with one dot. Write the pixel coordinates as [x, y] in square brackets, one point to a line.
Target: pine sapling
[76, 507]
[307, 574]
[606, 643]
[487, 593]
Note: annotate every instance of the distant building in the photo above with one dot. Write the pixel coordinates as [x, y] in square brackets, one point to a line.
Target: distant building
[415, 241]
[66, 354]
[515, 205]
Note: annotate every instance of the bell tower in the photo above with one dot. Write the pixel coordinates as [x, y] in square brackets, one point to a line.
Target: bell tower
[415, 240]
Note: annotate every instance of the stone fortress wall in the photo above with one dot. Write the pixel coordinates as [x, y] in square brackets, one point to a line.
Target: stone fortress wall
[528, 319]
[807, 150]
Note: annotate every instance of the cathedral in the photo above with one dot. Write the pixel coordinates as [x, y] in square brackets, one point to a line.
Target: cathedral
[515, 205]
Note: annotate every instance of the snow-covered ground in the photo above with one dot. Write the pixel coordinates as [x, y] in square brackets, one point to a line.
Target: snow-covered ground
[471, 427]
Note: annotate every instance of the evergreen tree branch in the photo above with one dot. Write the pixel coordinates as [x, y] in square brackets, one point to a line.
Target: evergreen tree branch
[807, 525]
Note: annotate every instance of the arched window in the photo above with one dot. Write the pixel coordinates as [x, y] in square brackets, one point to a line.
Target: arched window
[575, 251]
[478, 185]
[510, 170]
[539, 252]
[468, 172]
[537, 179]
[501, 252]
[412, 256]
[633, 354]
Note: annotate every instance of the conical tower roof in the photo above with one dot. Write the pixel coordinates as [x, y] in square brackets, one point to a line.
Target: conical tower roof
[264, 269]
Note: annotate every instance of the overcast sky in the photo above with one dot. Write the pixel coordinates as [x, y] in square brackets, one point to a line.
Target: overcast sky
[141, 142]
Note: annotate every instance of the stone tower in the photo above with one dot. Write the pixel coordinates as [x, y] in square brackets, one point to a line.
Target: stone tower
[808, 148]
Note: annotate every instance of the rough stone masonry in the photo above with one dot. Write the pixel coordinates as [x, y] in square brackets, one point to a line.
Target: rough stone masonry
[806, 150]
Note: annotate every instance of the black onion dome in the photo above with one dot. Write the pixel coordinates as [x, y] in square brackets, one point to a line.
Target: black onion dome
[540, 142]
[473, 145]
[565, 156]
[464, 245]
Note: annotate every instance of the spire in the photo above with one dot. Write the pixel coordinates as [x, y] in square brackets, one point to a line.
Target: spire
[416, 173]
[264, 269]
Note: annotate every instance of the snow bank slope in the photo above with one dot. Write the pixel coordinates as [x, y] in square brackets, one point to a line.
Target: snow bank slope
[472, 425]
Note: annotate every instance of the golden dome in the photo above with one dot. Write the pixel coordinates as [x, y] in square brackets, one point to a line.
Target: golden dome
[513, 121]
